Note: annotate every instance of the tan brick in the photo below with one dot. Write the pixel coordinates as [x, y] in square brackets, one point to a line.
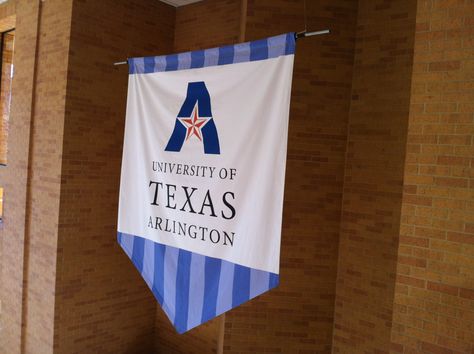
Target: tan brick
[430, 233]
[435, 349]
[416, 262]
[417, 200]
[452, 182]
[453, 160]
[418, 283]
[415, 241]
[445, 65]
[460, 237]
[467, 293]
[443, 288]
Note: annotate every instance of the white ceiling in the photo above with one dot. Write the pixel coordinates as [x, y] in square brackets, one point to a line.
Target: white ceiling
[175, 3]
[178, 3]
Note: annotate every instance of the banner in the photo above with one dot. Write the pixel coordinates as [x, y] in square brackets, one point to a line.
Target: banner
[203, 169]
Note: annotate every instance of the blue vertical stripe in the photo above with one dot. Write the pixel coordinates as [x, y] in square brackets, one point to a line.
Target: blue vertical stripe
[182, 290]
[131, 66]
[211, 277]
[276, 46]
[197, 59]
[241, 53]
[160, 63]
[184, 61]
[259, 50]
[169, 281]
[273, 281]
[171, 62]
[137, 255]
[149, 262]
[132, 69]
[226, 284]
[290, 43]
[259, 281]
[196, 290]
[226, 55]
[211, 57]
[127, 244]
[158, 276]
[149, 64]
[241, 291]
[137, 65]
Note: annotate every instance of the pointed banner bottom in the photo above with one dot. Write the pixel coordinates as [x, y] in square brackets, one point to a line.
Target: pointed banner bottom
[192, 288]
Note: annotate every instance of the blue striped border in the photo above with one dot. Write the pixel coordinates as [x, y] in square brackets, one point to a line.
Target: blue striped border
[192, 288]
[262, 49]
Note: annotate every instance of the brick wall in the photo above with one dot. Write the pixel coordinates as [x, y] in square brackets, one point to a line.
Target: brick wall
[199, 340]
[44, 176]
[434, 302]
[298, 315]
[5, 90]
[7, 22]
[207, 24]
[401, 254]
[102, 303]
[373, 176]
[32, 178]
[14, 177]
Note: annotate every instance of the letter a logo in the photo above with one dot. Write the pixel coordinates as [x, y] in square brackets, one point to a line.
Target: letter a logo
[195, 120]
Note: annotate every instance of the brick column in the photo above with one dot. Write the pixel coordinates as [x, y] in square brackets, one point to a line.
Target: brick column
[14, 177]
[373, 176]
[434, 302]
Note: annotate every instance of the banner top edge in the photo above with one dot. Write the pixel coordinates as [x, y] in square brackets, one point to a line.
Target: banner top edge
[267, 48]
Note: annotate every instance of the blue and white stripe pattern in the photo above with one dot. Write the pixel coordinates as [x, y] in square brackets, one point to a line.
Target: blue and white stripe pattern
[192, 288]
[267, 48]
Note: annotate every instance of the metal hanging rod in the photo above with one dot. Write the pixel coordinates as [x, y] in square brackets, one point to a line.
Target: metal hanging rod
[304, 34]
[298, 35]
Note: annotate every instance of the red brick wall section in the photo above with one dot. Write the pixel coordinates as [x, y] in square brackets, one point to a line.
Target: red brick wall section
[14, 177]
[207, 24]
[44, 176]
[102, 305]
[434, 302]
[202, 339]
[7, 22]
[373, 176]
[297, 316]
